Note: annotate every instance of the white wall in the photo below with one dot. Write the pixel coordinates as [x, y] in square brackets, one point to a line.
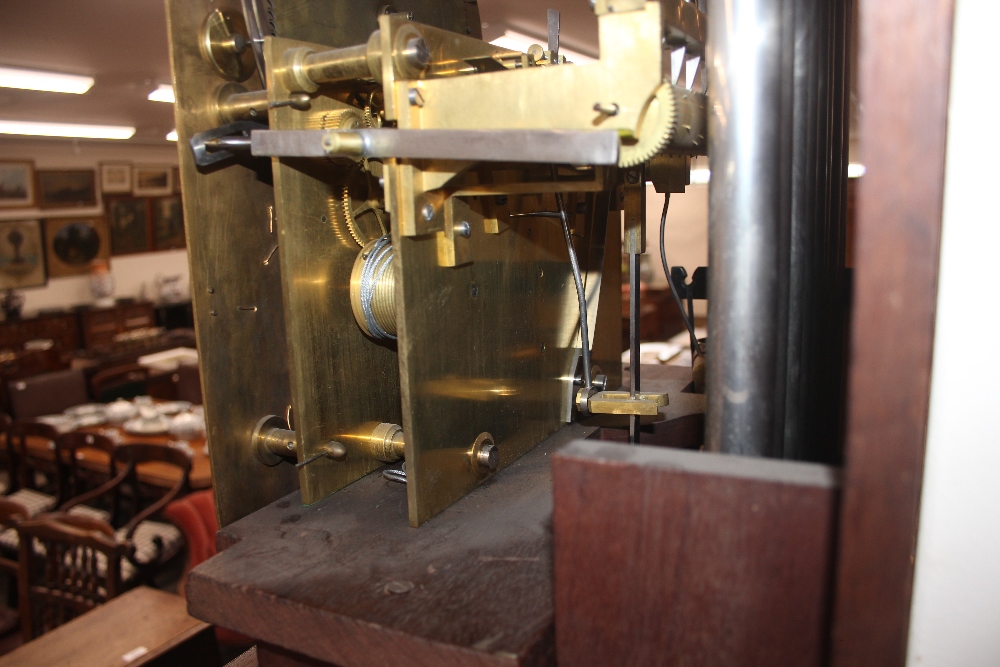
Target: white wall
[955, 618]
[135, 275]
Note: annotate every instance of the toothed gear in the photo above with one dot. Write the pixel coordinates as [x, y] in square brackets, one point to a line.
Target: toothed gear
[361, 198]
[656, 127]
[339, 119]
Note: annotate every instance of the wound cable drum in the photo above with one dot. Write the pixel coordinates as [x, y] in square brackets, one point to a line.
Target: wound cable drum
[373, 289]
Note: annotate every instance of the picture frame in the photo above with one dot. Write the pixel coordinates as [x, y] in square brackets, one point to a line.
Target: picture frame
[66, 188]
[22, 254]
[116, 177]
[17, 184]
[128, 224]
[168, 223]
[177, 180]
[72, 244]
[152, 180]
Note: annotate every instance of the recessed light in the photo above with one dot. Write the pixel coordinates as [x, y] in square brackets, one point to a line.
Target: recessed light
[27, 79]
[172, 135]
[516, 41]
[65, 130]
[163, 93]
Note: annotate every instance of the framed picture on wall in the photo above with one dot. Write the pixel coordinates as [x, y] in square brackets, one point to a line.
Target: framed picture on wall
[177, 180]
[71, 244]
[67, 188]
[153, 180]
[128, 224]
[17, 184]
[22, 254]
[116, 177]
[168, 224]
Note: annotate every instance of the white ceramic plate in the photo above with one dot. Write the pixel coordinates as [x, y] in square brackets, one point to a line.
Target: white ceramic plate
[144, 427]
[85, 409]
[61, 423]
[84, 421]
[173, 407]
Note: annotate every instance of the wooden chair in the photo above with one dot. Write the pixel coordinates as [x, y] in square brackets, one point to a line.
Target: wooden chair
[22, 485]
[188, 381]
[5, 462]
[68, 565]
[47, 394]
[149, 543]
[11, 514]
[126, 381]
[74, 479]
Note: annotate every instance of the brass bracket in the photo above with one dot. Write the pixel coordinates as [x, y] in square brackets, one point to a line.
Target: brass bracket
[634, 205]
[454, 242]
[621, 403]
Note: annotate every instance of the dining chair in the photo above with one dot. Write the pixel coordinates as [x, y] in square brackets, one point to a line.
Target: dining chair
[11, 514]
[6, 465]
[76, 479]
[67, 565]
[127, 381]
[47, 394]
[188, 381]
[150, 543]
[22, 486]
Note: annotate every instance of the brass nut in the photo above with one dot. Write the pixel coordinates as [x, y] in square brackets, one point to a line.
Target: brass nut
[485, 454]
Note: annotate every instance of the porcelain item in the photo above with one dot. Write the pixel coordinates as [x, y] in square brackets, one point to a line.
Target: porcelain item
[120, 411]
[140, 426]
[170, 289]
[93, 419]
[187, 426]
[86, 409]
[61, 423]
[173, 407]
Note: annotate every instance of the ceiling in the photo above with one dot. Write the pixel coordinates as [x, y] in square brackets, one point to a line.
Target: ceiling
[123, 45]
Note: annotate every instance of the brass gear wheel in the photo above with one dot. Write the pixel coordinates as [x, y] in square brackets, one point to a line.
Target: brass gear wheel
[363, 206]
[656, 127]
[338, 119]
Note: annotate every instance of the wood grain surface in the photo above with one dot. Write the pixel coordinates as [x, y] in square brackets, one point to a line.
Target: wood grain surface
[348, 582]
[136, 628]
[671, 557]
[905, 71]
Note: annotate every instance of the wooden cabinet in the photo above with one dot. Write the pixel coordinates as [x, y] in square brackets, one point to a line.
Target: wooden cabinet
[62, 328]
[100, 325]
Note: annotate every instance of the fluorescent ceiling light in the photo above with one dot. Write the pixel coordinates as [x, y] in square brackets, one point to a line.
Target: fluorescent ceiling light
[163, 93]
[172, 135]
[855, 170]
[516, 41]
[65, 130]
[27, 79]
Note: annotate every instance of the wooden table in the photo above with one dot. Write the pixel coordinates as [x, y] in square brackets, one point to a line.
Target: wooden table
[141, 627]
[153, 473]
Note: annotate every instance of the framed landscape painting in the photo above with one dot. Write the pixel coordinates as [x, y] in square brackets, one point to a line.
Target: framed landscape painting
[22, 254]
[67, 188]
[71, 244]
[17, 184]
[128, 224]
[168, 224]
[153, 180]
[116, 178]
